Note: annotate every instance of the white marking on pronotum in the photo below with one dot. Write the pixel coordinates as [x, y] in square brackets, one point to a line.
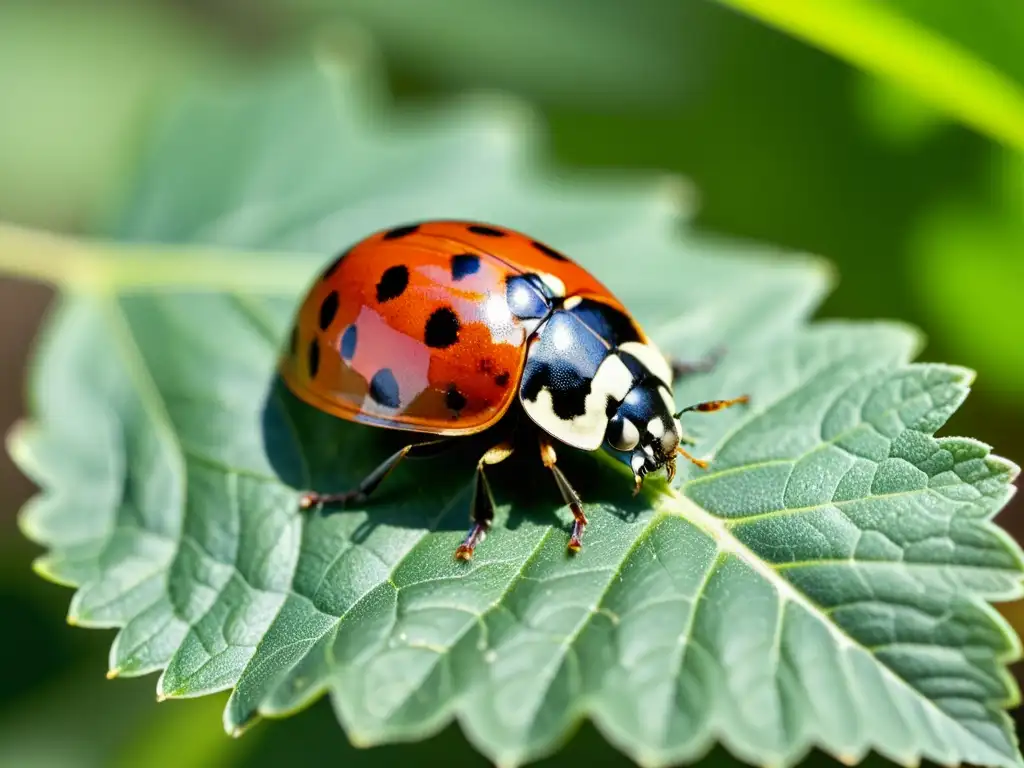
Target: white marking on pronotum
[585, 431]
[669, 442]
[572, 302]
[557, 286]
[651, 358]
[656, 427]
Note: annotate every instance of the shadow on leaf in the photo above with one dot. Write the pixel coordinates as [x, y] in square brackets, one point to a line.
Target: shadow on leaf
[312, 450]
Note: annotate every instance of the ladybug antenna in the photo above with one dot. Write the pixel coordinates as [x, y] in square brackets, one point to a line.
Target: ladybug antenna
[713, 405]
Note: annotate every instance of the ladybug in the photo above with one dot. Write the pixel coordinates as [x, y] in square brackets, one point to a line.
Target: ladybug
[445, 328]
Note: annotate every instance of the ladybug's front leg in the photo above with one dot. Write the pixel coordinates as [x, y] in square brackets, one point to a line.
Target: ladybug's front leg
[569, 495]
[369, 483]
[482, 505]
[708, 406]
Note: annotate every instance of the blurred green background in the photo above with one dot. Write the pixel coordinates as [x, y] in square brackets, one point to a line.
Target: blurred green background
[923, 218]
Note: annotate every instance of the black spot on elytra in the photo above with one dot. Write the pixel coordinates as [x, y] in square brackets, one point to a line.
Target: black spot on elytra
[398, 232]
[334, 265]
[502, 379]
[549, 251]
[393, 283]
[384, 388]
[454, 399]
[314, 357]
[442, 329]
[348, 343]
[479, 229]
[568, 398]
[328, 310]
[464, 265]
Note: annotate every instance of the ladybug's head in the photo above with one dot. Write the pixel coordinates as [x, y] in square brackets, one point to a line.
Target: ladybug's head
[643, 430]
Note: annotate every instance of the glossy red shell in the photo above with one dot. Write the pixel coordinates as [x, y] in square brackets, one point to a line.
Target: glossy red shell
[410, 329]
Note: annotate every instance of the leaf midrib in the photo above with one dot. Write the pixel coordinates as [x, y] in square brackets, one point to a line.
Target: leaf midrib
[109, 268]
[715, 528]
[885, 42]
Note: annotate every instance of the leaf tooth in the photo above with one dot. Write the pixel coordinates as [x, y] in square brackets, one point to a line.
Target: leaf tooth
[45, 567]
[849, 758]
[362, 740]
[236, 729]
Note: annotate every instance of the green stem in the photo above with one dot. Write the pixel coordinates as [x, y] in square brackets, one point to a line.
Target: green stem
[878, 39]
[105, 267]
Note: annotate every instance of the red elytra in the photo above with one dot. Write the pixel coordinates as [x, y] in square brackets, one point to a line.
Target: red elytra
[423, 305]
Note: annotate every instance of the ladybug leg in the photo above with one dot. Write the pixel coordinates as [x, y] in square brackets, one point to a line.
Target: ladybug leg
[689, 457]
[482, 505]
[682, 368]
[569, 495]
[369, 483]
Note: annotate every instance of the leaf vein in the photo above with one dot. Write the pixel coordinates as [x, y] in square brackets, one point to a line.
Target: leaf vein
[719, 532]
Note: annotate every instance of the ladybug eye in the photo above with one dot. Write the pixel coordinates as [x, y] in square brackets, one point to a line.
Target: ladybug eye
[622, 434]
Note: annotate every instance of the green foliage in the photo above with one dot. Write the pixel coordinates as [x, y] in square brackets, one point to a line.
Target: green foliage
[962, 59]
[968, 255]
[823, 583]
[136, 53]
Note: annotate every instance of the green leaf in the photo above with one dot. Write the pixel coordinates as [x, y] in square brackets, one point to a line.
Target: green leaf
[823, 583]
[969, 70]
